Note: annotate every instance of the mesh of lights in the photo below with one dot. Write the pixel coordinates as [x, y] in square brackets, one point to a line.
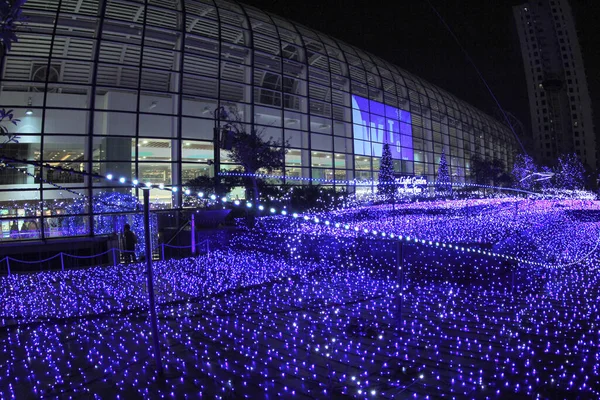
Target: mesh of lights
[549, 226]
[457, 247]
[291, 327]
[453, 246]
[283, 211]
[304, 327]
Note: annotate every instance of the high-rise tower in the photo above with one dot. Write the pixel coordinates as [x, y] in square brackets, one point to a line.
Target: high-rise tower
[559, 102]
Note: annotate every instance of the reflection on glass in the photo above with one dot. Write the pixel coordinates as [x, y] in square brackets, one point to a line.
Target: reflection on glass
[20, 228]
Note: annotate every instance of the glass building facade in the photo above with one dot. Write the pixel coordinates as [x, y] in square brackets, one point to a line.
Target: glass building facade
[131, 88]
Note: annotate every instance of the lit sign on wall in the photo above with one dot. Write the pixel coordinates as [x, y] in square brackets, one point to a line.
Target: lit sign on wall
[410, 184]
[376, 123]
[409, 180]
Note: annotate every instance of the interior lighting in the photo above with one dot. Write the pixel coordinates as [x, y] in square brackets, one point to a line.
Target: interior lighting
[29, 110]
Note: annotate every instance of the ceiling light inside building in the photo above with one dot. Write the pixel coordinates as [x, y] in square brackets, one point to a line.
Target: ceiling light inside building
[29, 110]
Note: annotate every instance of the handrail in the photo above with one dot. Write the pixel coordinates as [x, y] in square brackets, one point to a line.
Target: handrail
[33, 262]
[97, 255]
[177, 247]
[8, 259]
[178, 232]
[185, 247]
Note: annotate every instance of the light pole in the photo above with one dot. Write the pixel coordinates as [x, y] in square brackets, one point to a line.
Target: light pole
[400, 278]
[153, 321]
[218, 115]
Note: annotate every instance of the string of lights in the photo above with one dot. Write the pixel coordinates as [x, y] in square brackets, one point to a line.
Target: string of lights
[176, 188]
[274, 210]
[373, 183]
[46, 181]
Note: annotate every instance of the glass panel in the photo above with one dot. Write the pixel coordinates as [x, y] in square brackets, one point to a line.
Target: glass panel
[159, 103]
[191, 171]
[197, 151]
[155, 173]
[362, 162]
[113, 99]
[293, 158]
[267, 116]
[340, 161]
[20, 228]
[297, 173]
[319, 173]
[67, 153]
[320, 125]
[66, 121]
[66, 226]
[296, 138]
[154, 150]
[117, 169]
[158, 125]
[321, 142]
[19, 174]
[68, 96]
[113, 149]
[119, 76]
[114, 123]
[320, 159]
[196, 128]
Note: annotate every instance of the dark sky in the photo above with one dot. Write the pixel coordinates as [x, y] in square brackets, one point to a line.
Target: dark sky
[409, 34]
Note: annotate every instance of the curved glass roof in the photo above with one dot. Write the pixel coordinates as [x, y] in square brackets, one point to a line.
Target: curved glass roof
[207, 37]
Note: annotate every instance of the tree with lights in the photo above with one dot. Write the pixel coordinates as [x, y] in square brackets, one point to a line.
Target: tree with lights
[206, 185]
[480, 170]
[253, 152]
[443, 183]
[112, 211]
[489, 172]
[498, 173]
[549, 182]
[523, 172]
[385, 186]
[570, 172]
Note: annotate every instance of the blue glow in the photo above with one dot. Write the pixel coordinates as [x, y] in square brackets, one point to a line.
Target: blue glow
[375, 123]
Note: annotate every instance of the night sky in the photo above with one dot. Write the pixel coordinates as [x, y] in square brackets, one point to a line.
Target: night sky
[410, 35]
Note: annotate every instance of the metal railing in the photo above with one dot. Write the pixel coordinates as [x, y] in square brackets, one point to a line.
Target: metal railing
[114, 261]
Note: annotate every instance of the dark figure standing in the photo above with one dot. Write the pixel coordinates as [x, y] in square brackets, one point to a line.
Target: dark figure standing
[14, 230]
[130, 242]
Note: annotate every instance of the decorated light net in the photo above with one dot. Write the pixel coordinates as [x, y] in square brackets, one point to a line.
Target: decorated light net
[112, 210]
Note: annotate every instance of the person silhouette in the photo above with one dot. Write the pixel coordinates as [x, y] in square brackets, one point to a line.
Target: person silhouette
[130, 240]
[14, 230]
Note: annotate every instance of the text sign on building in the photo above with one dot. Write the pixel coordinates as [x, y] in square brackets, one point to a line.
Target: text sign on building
[374, 123]
[409, 180]
[410, 184]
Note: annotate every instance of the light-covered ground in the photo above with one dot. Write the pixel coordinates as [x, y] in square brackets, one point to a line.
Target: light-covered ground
[320, 315]
[554, 232]
[327, 334]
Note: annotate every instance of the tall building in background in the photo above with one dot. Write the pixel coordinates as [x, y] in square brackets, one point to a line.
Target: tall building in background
[561, 111]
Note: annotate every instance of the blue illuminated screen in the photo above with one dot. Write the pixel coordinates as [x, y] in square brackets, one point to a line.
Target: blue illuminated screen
[375, 123]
